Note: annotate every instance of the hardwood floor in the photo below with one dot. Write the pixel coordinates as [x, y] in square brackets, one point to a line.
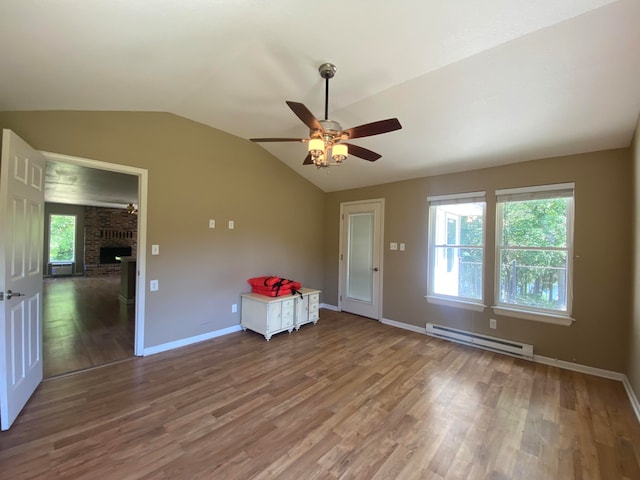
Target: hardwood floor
[346, 398]
[84, 324]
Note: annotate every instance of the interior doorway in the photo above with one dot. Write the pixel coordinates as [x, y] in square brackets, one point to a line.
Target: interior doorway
[90, 320]
[361, 252]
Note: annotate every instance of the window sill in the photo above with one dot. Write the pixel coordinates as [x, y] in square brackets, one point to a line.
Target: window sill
[476, 307]
[535, 317]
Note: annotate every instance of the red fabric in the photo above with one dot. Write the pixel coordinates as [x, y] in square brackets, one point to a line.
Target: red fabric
[273, 283]
[272, 293]
[263, 281]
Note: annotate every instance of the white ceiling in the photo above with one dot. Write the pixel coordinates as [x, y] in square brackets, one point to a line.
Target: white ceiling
[474, 83]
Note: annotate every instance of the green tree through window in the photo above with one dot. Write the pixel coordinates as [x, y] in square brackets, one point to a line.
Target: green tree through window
[62, 238]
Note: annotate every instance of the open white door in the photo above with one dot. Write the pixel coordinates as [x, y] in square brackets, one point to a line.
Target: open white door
[22, 174]
[361, 258]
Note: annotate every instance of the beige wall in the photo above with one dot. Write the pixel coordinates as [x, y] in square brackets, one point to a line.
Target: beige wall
[602, 295]
[633, 365]
[197, 173]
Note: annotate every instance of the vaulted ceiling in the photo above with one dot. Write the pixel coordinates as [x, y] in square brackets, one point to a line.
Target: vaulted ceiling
[474, 83]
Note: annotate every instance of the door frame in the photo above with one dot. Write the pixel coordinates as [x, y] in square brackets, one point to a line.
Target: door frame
[379, 260]
[143, 182]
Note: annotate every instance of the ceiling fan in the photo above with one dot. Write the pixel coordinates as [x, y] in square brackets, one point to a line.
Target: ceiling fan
[326, 137]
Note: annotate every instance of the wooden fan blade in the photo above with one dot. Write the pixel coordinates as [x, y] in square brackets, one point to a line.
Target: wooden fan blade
[362, 152]
[374, 128]
[277, 139]
[305, 115]
[307, 160]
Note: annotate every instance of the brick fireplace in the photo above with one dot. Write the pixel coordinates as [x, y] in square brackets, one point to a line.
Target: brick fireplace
[108, 231]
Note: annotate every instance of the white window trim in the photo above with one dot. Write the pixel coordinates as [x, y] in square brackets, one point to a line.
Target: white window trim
[556, 317]
[459, 302]
[456, 303]
[533, 316]
[75, 234]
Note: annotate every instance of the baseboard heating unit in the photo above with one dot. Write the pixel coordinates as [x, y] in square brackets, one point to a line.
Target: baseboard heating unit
[482, 341]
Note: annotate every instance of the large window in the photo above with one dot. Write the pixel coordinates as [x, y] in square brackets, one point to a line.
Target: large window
[534, 244]
[62, 238]
[456, 248]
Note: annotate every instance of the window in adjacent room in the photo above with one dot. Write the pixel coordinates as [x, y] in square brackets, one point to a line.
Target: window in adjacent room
[62, 238]
[456, 249]
[534, 249]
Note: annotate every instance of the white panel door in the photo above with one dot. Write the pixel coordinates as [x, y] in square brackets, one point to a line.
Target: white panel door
[361, 258]
[22, 171]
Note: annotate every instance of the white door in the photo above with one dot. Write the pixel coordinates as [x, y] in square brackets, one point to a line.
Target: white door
[22, 171]
[361, 258]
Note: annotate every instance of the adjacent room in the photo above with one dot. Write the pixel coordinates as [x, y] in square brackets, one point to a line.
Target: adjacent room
[457, 185]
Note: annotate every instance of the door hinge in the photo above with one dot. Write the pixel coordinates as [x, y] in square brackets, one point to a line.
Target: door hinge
[1, 296]
[342, 216]
[340, 297]
[340, 256]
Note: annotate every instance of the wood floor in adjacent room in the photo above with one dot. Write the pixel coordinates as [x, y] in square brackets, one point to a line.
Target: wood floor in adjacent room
[84, 324]
[346, 398]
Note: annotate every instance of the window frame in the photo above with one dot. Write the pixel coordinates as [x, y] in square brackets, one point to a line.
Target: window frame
[539, 192]
[451, 300]
[75, 234]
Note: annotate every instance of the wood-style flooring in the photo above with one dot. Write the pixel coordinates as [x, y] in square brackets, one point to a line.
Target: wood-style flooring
[346, 398]
[84, 324]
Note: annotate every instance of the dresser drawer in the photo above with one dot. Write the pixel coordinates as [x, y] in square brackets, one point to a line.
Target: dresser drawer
[314, 298]
[287, 307]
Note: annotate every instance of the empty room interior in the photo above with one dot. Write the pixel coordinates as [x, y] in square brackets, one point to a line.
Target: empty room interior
[453, 189]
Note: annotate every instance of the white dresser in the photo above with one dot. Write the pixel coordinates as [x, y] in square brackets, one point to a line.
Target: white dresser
[271, 315]
[307, 307]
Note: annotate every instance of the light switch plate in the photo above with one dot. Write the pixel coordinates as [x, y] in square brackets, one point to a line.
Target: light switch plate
[231, 224]
[153, 286]
[393, 246]
[212, 224]
[155, 249]
[402, 247]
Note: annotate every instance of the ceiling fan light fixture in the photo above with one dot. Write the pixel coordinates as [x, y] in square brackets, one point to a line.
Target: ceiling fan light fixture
[321, 161]
[339, 152]
[133, 210]
[316, 147]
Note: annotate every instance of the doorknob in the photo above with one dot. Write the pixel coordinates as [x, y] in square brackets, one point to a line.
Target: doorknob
[375, 269]
[10, 295]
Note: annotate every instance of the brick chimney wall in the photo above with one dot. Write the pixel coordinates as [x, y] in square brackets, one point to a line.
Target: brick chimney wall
[107, 227]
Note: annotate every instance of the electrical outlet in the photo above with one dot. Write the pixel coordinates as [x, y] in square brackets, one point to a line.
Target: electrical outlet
[234, 308]
[393, 246]
[212, 224]
[153, 285]
[232, 225]
[402, 247]
[493, 323]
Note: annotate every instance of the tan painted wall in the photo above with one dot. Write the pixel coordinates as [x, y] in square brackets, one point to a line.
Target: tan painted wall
[633, 365]
[602, 293]
[197, 173]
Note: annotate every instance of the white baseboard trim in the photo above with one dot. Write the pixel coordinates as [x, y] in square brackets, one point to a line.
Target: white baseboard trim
[329, 307]
[632, 396]
[575, 367]
[404, 326]
[189, 341]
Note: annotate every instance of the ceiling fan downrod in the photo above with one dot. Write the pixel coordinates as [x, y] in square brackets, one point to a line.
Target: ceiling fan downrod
[327, 71]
